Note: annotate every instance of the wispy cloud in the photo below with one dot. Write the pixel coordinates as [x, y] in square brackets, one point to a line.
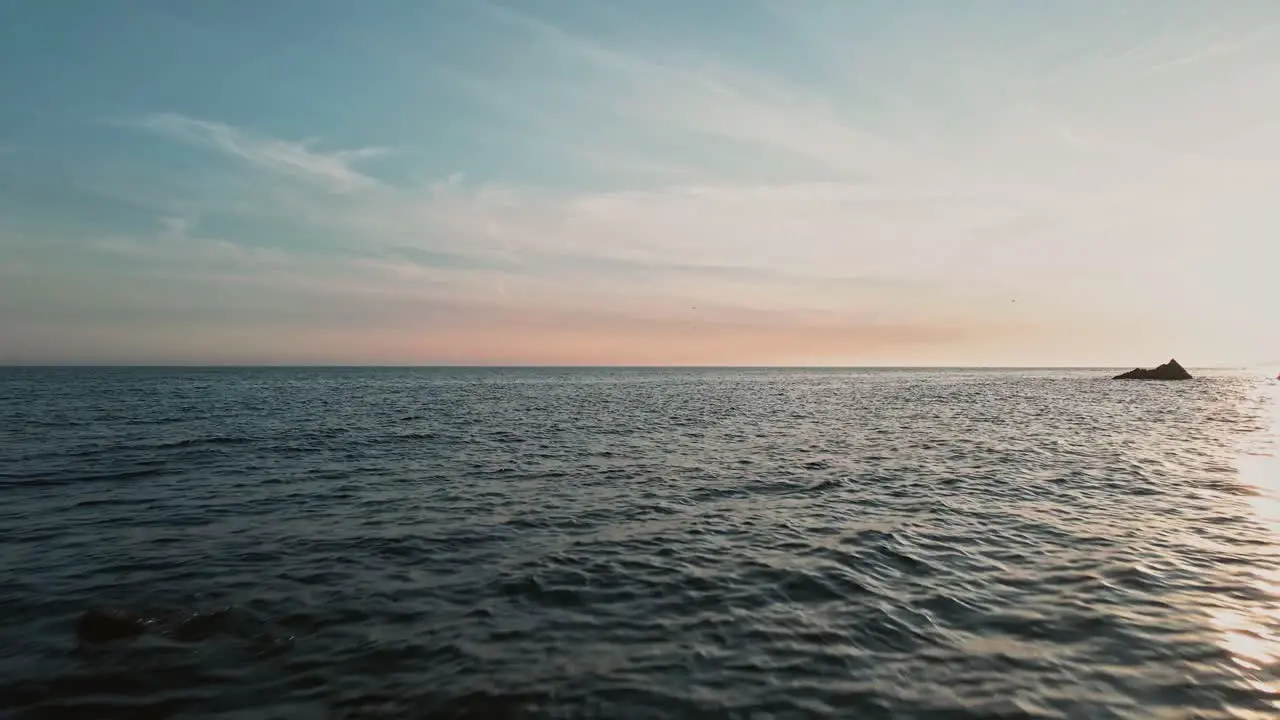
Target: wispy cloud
[177, 243]
[917, 251]
[976, 194]
[335, 170]
[704, 100]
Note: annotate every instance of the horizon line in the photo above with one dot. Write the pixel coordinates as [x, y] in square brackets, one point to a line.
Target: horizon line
[483, 366]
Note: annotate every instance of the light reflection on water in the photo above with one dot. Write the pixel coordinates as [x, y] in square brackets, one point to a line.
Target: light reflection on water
[399, 542]
[1251, 634]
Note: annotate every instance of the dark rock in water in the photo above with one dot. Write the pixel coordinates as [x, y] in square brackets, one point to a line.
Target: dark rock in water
[202, 626]
[103, 626]
[1168, 371]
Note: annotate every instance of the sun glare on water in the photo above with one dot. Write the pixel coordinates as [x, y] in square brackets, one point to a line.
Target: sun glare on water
[1251, 634]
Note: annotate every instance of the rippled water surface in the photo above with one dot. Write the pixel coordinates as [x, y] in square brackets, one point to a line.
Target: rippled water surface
[614, 543]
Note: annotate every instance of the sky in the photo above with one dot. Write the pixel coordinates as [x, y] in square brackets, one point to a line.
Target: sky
[640, 182]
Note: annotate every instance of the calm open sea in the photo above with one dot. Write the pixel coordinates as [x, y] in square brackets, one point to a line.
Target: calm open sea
[640, 543]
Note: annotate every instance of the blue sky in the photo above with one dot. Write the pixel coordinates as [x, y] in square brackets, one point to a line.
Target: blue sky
[564, 182]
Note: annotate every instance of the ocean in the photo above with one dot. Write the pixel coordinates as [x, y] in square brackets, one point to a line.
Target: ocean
[619, 543]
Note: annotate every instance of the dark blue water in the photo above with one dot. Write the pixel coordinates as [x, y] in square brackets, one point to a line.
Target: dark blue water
[614, 543]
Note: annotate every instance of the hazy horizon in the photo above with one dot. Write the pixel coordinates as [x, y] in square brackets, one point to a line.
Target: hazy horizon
[1263, 368]
[570, 184]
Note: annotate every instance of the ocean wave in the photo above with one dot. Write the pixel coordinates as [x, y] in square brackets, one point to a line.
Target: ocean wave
[641, 544]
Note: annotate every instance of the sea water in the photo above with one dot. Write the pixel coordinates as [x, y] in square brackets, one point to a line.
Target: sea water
[640, 543]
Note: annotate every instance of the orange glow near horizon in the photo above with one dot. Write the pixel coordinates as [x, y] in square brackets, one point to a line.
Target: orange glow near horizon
[565, 338]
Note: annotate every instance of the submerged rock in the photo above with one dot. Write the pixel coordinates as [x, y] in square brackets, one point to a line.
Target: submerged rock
[1168, 371]
[203, 625]
[103, 626]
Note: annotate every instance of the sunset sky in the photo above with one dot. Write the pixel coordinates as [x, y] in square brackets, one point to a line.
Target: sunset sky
[737, 182]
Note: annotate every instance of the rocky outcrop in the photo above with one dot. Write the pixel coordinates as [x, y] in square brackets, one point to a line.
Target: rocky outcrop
[102, 626]
[1168, 371]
